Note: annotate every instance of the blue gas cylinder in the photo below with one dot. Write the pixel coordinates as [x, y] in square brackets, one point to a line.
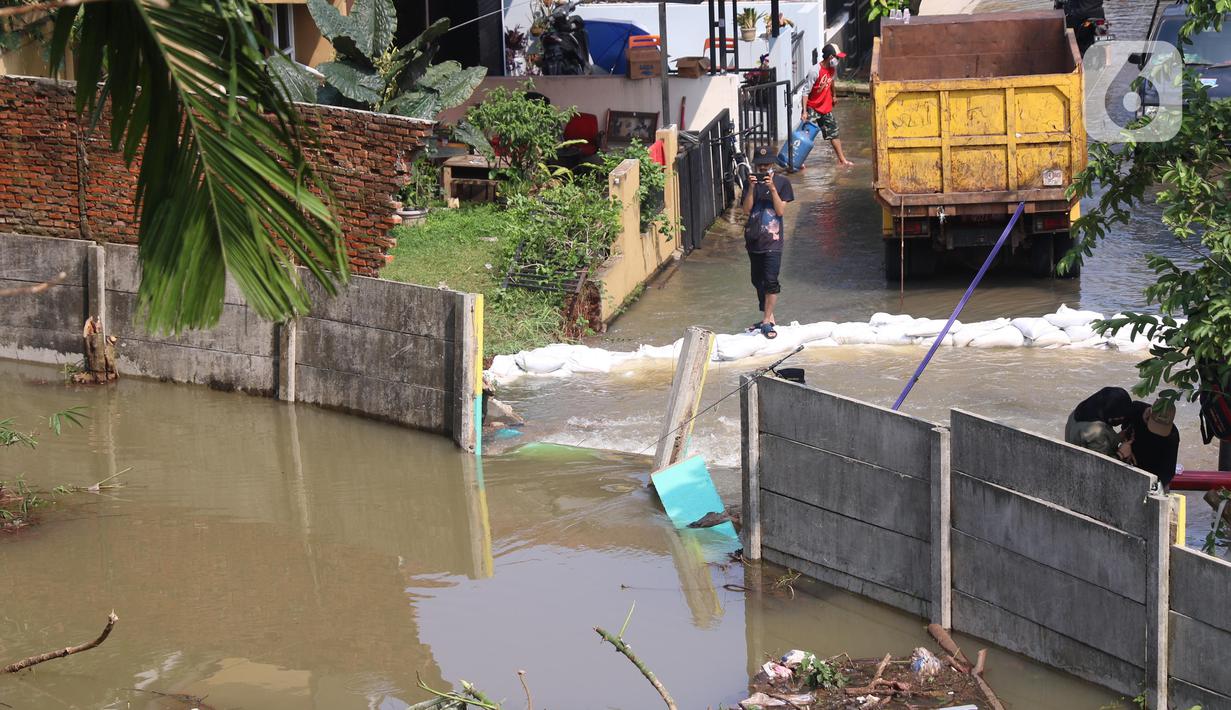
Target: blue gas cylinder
[801, 144]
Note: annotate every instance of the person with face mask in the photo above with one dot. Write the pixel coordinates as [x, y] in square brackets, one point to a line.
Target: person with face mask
[818, 103]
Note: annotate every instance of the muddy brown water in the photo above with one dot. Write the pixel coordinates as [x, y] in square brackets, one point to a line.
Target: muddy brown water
[272, 556]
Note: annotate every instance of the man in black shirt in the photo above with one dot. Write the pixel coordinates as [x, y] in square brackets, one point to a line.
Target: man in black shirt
[1152, 440]
[764, 201]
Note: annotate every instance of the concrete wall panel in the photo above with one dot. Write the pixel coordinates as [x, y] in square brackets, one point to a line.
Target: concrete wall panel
[43, 259]
[372, 352]
[846, 427]
[1201, 587]
[846, 486]
[851, 583]
[845, 544]
[388, 305]
[1200, 653]
[1053, 536]
[1065, 475]
[1185, 695]
[419, 407]
[199, 366]
[240, 330]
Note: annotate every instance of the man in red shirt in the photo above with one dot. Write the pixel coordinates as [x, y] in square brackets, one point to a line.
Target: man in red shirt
[818, 104]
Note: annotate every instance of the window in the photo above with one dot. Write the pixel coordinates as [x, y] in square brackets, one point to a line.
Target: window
[283, 34]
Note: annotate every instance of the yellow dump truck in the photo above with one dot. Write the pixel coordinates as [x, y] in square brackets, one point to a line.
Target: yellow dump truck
[974, 114]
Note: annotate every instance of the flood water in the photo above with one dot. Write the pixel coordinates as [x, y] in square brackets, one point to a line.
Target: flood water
[273, 556]
[264, 555]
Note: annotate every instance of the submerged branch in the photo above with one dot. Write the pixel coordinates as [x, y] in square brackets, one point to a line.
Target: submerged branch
[36, 288]
[645, 671]
[61, 653]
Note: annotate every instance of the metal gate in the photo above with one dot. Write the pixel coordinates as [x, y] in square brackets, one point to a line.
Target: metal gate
[758, 115]
[702, 165]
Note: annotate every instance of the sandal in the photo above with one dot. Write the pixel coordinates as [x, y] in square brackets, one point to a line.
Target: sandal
[755, 327]
[767, 329]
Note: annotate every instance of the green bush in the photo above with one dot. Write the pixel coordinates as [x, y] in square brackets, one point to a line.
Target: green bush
[568, 226]
[527, 132]
[653, 183]
[423, 189]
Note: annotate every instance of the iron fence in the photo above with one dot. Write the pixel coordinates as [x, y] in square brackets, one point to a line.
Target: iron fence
[703, 162]
[758, 114]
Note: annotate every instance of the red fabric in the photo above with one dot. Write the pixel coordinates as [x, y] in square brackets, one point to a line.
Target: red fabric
[583, 126]
[820, 99]
[658, 153]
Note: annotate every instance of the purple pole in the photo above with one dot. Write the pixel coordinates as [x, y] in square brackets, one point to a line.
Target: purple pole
[960, 305]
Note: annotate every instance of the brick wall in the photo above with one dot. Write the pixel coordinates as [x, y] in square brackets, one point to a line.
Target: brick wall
[363, 156]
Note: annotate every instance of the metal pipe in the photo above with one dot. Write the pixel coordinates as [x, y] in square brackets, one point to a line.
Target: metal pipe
[960, 305]
[713, 49]
[665, 79]
[734, 36]
[775, 28]
[722, 34]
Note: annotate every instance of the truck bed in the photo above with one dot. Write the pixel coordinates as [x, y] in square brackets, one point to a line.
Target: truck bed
[975, 113]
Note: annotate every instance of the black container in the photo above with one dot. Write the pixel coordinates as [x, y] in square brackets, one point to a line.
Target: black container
[791, 374]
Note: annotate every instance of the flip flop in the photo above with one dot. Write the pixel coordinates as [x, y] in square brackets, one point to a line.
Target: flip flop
[767, 329]
[755, 327]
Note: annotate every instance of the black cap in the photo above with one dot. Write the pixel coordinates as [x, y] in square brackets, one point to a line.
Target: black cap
[763, 156]
[831, 50]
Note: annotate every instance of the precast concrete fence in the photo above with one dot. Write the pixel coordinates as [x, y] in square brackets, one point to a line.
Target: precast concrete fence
[1035, 545]
[398, 352]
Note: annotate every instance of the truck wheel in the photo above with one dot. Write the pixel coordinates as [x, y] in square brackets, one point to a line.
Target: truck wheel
[893, 261]
[1041, 258]
[1063, 243]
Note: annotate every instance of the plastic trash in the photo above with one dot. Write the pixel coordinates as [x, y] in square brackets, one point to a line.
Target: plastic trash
[760, 701]
[777, 671]
[925, 664]
[906, 15]
[793, 658]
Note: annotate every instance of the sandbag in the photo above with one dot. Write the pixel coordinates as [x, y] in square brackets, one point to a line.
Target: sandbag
[812, 331]
[1065, 317]
[1033, 328]
[540, 361]
[661, 352]
[822, 343]
[589, 360]
[930, 327]
[1096, 343]
[893, 335]
[729, 348]
[882, 319]
[963, 336]
[1053, 339]
[927, 342]
[1078, 333]
[853, 334]
[1006, 337]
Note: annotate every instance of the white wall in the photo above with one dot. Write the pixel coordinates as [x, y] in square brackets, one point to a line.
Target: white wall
[688, 25]
[704, 97]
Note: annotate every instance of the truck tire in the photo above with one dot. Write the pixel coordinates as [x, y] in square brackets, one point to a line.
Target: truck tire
[1062, 244]
[1042, 260]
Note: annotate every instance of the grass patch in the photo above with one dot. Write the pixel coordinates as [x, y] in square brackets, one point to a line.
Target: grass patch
[455, 248]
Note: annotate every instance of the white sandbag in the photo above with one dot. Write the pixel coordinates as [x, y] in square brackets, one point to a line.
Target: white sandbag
[963, 336]
[1033, 328]
[1078, 333]
[883, 319]
[1053, 339]
[853, 334]
[893, 335]
[504, 366]
[1096, 343]
[539, 361]
[729, 348]
[589, 360]
[1006, 337]
[813, 331]
[1065, 317]
[822, 343]
[661, 352]
[930, 327]
[927, 342]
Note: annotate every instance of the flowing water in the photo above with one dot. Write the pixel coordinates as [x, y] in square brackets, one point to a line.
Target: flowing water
[272, 556]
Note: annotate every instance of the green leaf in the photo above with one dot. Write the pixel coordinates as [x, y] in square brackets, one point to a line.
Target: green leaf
[453, 83]
[332, 24]
[353, 82]
[373, 22]
[465, 132]
[223, 188]
[420, 52]
[295, 83]
[415, 104]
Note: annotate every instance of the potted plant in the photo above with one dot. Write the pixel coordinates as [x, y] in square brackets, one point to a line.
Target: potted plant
[747, 21]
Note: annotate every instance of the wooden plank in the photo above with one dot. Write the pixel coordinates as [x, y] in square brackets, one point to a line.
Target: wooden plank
[1201, 587]
[418, 407]
[1073, 544]
[685, 397]
[375, 353]
[32, 260]
[1064, 603]
[857, 585]
[844, 544]
[844, 426]
[1200, 653]
[987, 621]
[846, 486]
[1067, 476]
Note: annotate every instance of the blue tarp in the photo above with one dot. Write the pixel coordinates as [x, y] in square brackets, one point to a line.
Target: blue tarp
[608, 44]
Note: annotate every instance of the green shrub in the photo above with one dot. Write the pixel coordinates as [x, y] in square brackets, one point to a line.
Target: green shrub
[423, 189]
[569, 226]
[653, 183]
[527, 132]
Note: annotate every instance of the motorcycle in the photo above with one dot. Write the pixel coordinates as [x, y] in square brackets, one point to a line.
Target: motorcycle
[1087, 20]
[566, 44]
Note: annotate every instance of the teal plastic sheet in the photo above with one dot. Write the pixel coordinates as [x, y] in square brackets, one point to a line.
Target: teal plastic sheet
[688, 494]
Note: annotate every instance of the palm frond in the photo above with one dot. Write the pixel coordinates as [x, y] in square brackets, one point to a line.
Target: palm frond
[224, 187]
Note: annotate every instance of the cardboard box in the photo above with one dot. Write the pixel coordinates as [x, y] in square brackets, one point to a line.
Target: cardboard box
[644, 62]
[692, 67]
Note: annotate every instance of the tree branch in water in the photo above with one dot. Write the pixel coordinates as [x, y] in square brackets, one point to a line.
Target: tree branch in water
[645, 671]
[61, 653]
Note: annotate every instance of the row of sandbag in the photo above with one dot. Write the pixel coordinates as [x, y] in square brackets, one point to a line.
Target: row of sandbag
[1065, 328]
